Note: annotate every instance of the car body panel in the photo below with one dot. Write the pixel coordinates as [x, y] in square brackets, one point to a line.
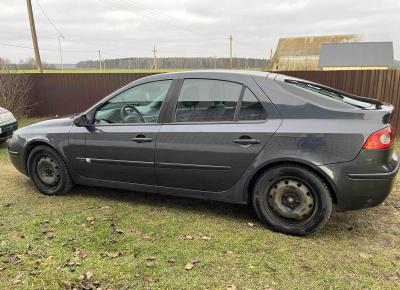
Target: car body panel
[200, 160]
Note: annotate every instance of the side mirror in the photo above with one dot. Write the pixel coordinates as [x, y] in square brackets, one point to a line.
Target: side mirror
[82, 121]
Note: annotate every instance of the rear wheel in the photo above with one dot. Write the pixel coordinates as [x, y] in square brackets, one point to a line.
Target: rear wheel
[292, 199]
[48, 171]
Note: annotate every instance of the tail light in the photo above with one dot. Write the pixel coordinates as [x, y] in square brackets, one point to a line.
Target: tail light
[382, 139]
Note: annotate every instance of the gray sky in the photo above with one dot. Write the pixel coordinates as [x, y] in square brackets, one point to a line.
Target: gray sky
[122, 28]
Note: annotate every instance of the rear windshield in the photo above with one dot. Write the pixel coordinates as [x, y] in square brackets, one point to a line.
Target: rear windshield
[331, 94]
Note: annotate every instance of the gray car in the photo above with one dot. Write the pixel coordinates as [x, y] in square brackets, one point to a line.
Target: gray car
[292, 148]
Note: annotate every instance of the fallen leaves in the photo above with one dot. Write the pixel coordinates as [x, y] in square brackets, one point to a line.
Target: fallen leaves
[17, 279]
[190, 265]
[49, 232]
[90, 219]
[172, 261]
[187, 237]
[12, 258]
[79, 252]
[151, 261]
[365, 255]
[111, 255]
[116, 230]
[103, 208]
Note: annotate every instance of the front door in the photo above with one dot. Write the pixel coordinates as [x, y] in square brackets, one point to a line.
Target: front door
[120, 145]
[216, 132]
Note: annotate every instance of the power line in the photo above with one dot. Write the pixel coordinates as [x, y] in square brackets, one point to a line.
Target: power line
[45, 49]
[161, 16]
[50, 21]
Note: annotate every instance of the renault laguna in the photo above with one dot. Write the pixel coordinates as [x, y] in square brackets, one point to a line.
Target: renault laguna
[293, 149]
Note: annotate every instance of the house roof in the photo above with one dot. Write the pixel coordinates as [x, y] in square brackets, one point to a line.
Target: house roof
[308, 45]
[357, 54]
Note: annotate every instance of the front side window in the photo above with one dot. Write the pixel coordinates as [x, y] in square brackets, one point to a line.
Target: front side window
[140, 104]
[251, 108]
[204, 100]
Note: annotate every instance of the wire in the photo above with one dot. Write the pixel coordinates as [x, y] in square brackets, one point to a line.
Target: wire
[45, 49]
[158, 15]
[50, 21]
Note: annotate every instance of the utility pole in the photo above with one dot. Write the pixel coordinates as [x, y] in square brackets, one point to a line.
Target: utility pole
[99, 59]
[230, 49]
[34, 37]
[60, 36]
[155, 61]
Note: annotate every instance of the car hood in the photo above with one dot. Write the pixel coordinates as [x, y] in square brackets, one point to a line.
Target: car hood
[2, 110]
[61, 125]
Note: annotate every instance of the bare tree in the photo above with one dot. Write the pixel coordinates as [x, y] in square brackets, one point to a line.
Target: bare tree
[14, 91]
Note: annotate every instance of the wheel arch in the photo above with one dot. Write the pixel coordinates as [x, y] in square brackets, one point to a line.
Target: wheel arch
[31, 145]
[298, 162]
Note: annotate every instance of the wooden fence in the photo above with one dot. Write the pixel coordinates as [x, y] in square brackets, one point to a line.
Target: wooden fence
[62, 94]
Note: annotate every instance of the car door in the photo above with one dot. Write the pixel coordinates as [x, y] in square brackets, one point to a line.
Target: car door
[215, 133]
[120, 145]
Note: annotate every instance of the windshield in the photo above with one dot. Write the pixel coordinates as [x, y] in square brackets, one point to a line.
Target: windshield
[329, 93]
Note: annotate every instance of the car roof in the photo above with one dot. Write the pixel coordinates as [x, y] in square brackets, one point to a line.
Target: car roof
[208, 73]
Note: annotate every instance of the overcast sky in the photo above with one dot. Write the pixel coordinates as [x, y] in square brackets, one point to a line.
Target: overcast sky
[122, 28]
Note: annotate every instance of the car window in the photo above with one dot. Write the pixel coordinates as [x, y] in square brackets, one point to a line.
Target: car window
[140, 104]
[251, 108]
[204, 100]
[329, 94]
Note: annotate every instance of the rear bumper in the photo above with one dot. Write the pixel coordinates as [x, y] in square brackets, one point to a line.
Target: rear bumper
[365, 181]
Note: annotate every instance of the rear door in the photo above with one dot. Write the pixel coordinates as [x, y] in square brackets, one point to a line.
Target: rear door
[217, 127]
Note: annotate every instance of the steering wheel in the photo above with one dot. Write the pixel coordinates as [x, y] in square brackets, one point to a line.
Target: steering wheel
[130, 114]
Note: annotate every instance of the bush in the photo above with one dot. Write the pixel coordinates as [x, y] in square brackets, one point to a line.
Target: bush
[14, 92]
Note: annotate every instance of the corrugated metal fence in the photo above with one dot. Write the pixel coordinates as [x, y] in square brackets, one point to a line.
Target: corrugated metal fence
[62, 94]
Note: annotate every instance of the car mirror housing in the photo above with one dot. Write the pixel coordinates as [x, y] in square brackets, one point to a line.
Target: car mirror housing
[82, 121]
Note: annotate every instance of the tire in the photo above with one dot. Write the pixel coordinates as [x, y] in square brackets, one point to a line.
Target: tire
[48, 171]
[292, 199]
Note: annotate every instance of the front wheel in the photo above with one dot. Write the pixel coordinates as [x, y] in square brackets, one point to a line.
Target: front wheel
[292, 199]
[48, 171]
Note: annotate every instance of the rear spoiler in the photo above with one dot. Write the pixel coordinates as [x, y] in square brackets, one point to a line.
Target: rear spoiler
[378, 104]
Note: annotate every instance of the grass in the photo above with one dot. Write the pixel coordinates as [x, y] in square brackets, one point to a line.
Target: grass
[127, 240]
[110, 70]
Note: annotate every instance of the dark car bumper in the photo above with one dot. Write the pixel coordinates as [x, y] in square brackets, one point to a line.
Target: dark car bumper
[365, 181]
[16, 151]
[7, 129]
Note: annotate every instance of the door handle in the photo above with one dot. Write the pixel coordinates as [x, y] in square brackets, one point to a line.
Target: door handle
[246, 140]
[142, 139]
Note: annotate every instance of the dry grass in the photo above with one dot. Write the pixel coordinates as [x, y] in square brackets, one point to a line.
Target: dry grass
[131, 240]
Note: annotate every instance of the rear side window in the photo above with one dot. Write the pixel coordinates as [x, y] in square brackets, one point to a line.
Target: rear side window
[204, 100]
[329, 94]
[251, 108]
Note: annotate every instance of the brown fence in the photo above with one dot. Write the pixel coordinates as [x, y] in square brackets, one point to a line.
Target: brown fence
[62, 94]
